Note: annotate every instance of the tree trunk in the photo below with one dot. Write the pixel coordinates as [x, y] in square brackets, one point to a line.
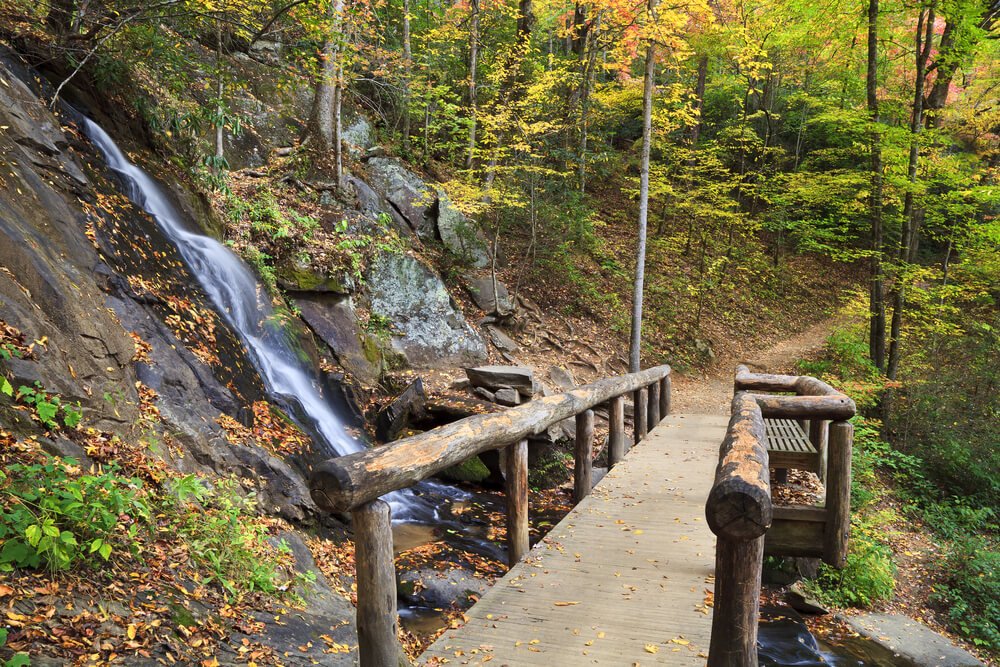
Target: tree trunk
[911, 215]
[635, 346]
[876, 314]
[699, 102]
[473, 64]
[407, 70]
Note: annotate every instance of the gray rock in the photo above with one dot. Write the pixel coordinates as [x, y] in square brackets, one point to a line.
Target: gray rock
[911, 640]
[411, 198]
[393, 418]
[562, 377]
[297, 276]
[368, 201]
[429, 330]
[520, 378]
[802, 602]
[461, 236]
[507, 396]
[481, 291]
[501, 340]
[359, 135]
[439, 589]
[334, 320]
[484, 394]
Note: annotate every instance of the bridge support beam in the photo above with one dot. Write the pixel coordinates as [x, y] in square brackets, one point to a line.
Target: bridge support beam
[616, 430]
[376, 577]
[516, 486]
[665, 397]
[838, 493]
[583, 465]
[640, 425]
[653, 415]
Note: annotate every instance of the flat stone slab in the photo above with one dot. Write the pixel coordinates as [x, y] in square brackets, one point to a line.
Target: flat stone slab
[911, 640]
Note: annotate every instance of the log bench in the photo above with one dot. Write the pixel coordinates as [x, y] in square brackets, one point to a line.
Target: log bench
[788, 446]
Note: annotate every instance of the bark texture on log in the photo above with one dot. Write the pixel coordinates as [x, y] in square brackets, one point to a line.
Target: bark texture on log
[806, 407]
[376, 579]
[516, 486]
[640, 417]
[665, 397]
[653, 413]
[616, 430]
[343, 483]
[738, 565]
[583, 462]
[739, 505]
[838, 493]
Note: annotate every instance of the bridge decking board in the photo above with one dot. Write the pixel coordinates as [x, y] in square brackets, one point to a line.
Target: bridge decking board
[642, 528]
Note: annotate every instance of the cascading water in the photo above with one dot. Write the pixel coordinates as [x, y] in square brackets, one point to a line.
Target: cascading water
[241, 299]
[238, 297]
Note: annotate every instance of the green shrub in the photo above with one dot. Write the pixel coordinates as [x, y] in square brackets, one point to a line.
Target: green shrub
[53, 518]
[225, 537]
[868, 577]
[971, 590]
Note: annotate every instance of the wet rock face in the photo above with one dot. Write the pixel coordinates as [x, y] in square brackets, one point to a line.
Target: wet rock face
[47, 287]
[427, 327]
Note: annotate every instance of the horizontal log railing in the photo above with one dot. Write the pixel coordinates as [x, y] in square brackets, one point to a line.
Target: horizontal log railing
[356, 482]
[740, 511]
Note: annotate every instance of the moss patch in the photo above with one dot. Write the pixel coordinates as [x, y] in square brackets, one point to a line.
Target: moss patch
[470, 470]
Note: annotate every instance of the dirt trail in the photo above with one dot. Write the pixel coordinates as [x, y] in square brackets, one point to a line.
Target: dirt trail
[711, 392]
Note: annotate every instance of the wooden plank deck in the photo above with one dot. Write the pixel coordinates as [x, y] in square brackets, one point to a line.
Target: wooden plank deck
[622, 579]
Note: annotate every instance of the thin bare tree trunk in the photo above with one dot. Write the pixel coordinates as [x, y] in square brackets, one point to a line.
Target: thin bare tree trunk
[407, 72]
[911, 215]
[635, 346]
[473, 65]
[876, 314]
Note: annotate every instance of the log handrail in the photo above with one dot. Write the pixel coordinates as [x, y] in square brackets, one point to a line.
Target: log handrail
[739, 508]
[347, 482]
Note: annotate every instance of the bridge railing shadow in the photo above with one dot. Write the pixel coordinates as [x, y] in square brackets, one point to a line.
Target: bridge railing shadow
[356, 482]
[740, 510]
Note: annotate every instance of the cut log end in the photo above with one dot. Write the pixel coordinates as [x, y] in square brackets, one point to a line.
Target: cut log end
[331, 487]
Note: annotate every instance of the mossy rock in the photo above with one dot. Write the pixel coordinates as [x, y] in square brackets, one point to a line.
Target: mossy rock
[297, 277]
[470, 470]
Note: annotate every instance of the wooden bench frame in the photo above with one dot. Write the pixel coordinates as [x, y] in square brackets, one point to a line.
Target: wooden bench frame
[739, 508]
[355, 483]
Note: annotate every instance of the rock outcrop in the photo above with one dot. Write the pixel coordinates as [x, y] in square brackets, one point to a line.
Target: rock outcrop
[427, 327]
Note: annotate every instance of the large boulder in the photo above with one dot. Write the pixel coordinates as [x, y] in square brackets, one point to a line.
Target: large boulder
[481, 290]
[410, 198]
[295, 275]
[335, 321]
[461, 236]
[427, 327]
[520, 378]
[359, 135]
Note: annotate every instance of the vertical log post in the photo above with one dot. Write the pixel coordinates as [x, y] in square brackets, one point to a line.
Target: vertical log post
[616, 430]
[516, 487]
[738, 566]
[583, 464]
[664, 397]
[639, 422]
[653, 413]
[838, 493]
[818, 438]
[376, 579]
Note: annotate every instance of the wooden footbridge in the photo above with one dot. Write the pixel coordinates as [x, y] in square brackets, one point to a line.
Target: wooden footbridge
[660, 563]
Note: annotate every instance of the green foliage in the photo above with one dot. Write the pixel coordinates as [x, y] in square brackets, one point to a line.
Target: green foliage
[49, 408]
[970, 592]
[224, 538]
[53, 518]
[868, 577]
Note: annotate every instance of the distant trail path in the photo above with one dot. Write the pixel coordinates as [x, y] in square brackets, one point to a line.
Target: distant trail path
[710, 392]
